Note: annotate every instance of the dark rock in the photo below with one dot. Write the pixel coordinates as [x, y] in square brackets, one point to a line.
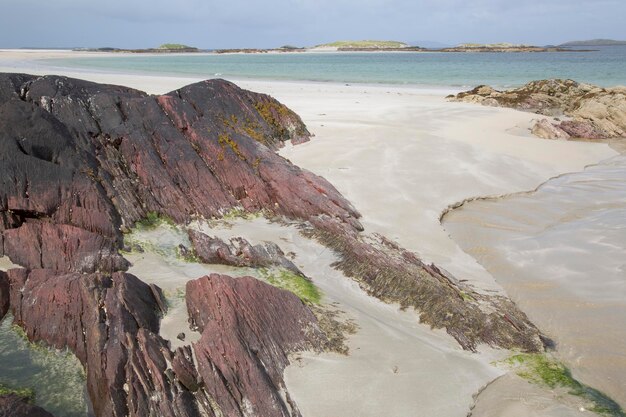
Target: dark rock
[239, 252]
[4, 294]
[12, 405]
[80, 161]
[246, 341]
[181, 336]
[184, 368]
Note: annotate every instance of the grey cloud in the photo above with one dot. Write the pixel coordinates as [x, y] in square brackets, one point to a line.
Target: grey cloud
[141, 23]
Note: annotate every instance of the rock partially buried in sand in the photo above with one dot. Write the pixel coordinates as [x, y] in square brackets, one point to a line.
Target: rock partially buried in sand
[545, 129]
[596, 112]
[239, 252]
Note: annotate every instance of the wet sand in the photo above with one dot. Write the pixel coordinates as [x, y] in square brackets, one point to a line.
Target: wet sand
[560, 253]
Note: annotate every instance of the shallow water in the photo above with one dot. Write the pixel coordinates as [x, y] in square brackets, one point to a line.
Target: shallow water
[606, 66]
[56, 377]
[560, 252]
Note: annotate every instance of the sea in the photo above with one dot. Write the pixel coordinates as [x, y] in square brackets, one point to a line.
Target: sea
[604, 66]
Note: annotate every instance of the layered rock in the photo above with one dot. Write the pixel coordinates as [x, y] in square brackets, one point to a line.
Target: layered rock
[111, 323]
[595, 112]
[82, 161]
[237, 321]
[239, 252]
[547, 130]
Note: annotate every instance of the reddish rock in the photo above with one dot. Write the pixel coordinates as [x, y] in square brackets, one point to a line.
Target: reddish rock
[80, 161]
[239, 252]
[111, 323]
[12, 405]
[81, 250]
[582, 129]
[246, 340]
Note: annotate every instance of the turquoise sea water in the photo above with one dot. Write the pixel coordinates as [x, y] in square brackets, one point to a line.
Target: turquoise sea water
[605, 67]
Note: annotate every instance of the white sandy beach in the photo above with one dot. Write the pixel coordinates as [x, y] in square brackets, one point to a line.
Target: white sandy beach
[402, 156]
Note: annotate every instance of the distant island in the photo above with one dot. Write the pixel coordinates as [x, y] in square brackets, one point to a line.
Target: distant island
[360, 46]
[364, 44]
[284, 48]
[165, 48]
[367, 46]
[502, 47]
[594, 42]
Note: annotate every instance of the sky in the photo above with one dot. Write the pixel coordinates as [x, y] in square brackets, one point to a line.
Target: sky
[273, 23]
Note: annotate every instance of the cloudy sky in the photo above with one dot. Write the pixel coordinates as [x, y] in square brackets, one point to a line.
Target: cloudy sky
[272, 23]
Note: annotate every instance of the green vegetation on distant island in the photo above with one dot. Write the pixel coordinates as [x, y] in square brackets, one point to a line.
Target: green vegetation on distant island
[594, 42]
[365, 44]
[175, 46]
[543, 370]
[26, 393]
[294, 283]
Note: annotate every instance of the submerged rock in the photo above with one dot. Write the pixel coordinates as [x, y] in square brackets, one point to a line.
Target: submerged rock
[12, 405]
[596, 112]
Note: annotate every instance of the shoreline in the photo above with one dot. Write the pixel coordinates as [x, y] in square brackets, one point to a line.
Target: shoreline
[402, 155]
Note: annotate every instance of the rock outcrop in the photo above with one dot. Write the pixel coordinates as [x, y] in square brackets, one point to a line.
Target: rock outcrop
[239, 252]
[237, 321]
[111, 323]
[595, 112]
[12, 405]
[82, 162]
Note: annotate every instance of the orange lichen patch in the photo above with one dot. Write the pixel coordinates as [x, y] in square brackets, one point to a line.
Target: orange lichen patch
[225, 140]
